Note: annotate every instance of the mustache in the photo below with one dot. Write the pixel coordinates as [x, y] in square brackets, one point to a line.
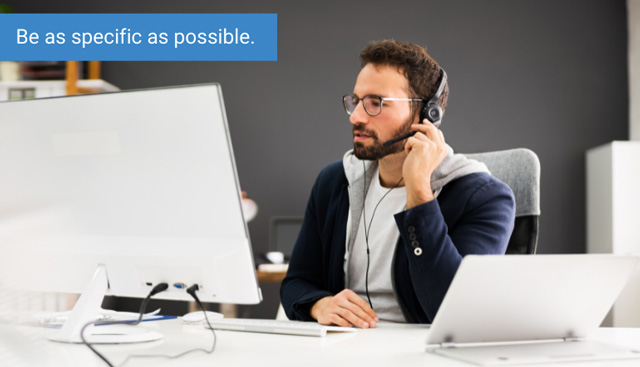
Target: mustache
[361, 128]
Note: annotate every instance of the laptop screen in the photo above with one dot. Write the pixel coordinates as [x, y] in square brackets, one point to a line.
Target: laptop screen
[525, 297]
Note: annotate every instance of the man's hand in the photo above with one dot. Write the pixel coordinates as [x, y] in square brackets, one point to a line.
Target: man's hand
[425, 151]
[344, 309]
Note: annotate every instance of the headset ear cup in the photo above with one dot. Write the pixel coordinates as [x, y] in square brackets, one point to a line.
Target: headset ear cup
[433, 113]
[432, 110]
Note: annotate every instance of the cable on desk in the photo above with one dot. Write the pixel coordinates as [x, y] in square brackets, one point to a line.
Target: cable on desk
[157, 289]
[192, 292]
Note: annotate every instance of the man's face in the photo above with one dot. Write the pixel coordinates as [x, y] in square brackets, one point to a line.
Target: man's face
[370, 132]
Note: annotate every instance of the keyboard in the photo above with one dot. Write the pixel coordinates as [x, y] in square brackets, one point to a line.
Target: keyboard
[276, 327]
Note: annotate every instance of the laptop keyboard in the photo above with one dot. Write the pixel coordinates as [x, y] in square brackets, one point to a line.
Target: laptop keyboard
[276, 327]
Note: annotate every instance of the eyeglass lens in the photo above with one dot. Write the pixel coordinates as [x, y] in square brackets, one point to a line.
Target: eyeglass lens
[372, 104]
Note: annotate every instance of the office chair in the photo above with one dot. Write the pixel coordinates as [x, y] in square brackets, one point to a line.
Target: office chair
[520, 169]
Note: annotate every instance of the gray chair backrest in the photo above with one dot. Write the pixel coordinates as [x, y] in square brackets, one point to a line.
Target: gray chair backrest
[520, 170]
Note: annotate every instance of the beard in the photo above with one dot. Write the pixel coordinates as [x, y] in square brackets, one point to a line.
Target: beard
[376, 150]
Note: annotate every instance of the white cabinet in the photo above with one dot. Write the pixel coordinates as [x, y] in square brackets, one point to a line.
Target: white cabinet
[613, 215]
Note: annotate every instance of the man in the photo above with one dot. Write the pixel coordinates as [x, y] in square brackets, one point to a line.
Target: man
[386, 228]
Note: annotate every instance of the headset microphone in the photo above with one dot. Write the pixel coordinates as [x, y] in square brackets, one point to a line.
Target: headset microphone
[430, 111]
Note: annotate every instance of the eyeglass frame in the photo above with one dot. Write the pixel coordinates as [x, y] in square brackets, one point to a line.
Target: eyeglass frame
[382, 99]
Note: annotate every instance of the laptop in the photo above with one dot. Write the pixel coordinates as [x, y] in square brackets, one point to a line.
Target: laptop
[513, 309]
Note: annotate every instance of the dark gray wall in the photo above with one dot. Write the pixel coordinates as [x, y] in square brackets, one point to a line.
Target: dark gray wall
[548, 75]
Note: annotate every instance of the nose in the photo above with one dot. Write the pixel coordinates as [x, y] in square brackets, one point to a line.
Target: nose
[359, 115]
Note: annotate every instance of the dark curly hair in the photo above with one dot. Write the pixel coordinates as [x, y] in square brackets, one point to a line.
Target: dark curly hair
[422, 72]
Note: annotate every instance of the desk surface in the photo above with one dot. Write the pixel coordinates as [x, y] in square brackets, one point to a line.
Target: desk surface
[271, 276]
[387, 345]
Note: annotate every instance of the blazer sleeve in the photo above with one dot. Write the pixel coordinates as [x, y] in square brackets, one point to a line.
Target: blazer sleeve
[309, 273]
[483, 227]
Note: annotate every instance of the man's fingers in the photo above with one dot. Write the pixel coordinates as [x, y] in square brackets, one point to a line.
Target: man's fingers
[427, 134]
[411, 142]
[344, 309]
[428, 129]
[356, 316]
[337, 320]
[344, 317]
[352, 318]
[356, 304]
[351, 307]
[362, 304]
[419, 142]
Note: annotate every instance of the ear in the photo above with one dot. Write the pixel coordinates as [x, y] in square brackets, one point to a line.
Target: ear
[417, 115]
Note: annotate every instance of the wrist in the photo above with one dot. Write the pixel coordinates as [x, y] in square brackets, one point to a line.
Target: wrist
[418, 197]
[315, 309]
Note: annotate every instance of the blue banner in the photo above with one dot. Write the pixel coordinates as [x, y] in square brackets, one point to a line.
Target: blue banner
[139, 37]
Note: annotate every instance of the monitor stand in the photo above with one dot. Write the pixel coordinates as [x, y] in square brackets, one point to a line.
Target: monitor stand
[85, 311]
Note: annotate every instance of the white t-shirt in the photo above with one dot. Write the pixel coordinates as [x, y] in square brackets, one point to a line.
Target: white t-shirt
[383, 237]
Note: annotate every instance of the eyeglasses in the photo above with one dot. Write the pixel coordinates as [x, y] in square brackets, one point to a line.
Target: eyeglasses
[372, 104]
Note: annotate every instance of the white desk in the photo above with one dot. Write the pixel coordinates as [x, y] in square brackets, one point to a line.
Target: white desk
[387, 345]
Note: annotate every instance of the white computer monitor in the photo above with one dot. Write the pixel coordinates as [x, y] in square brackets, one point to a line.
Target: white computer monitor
[134, 188]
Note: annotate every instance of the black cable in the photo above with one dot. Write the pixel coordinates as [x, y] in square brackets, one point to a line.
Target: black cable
[192, 291]
[366, 279]
[157, 289]
[366, 231]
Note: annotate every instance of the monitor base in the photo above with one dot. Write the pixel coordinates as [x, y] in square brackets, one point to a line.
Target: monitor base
[113, 334]
[84, 313]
